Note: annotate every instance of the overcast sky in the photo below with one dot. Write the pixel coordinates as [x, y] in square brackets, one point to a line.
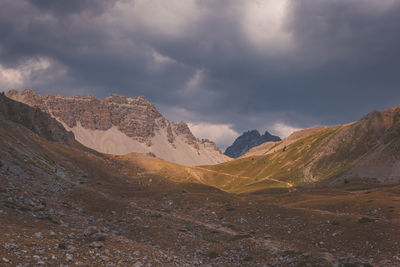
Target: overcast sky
[224, 66]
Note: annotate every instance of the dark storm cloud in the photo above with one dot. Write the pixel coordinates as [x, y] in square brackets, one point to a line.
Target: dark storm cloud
[246, 63]
[61, 8]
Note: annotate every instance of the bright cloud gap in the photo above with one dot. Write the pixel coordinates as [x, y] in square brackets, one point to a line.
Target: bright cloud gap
[222, 134]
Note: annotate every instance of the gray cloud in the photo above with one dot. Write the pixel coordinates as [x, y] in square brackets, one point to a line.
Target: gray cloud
[249, 64]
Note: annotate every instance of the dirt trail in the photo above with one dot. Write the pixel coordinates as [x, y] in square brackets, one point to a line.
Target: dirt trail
[244, 177]
[195, 175]
[268, 244]
[343, 214]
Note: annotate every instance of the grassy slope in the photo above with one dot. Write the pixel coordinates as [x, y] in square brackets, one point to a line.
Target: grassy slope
[317, 159]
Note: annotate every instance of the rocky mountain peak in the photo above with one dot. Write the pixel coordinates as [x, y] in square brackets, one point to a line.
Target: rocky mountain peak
[98, 121]
[247, 141]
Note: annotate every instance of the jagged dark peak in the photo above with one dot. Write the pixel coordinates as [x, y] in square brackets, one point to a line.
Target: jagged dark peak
[247, 141]
[251, 133]
[267, 137]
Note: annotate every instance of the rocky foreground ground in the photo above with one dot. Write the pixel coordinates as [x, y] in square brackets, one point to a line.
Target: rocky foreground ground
[109, 214]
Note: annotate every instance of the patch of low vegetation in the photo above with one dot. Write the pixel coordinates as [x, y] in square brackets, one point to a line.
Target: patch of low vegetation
[248, 258]
[304, 263]
[158, 215]
[292, 253]
[230, 209]
[336, 223]
[358, 189]
[31, 245]
[366, 220]
[85, 239]
[66, 205]
[211, 240]
[50, 219]
[239, 237]
[15, 206]
[349, 264]
[62, 246]
[212, 254]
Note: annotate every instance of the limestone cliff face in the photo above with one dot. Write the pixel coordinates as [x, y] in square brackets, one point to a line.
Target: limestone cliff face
[98, 123]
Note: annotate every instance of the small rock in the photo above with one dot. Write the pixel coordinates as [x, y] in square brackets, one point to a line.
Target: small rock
[96, 245]
[90, 231]
[71, 249]
[11, 246]
[39, 235]
[69, 257]
[52, 234]
[104, 258]
[4, 259]
[99, 236]
[36, 257]
[71, 236]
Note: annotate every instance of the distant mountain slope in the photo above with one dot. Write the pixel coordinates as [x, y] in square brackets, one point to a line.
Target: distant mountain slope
[270, 147]
[119, 125]
[367, 151]
[247, 141]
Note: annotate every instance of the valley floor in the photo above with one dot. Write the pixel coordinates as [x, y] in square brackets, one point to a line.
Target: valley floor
[139, 223]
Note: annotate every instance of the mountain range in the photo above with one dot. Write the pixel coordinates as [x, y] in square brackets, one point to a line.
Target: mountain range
[365, 150]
